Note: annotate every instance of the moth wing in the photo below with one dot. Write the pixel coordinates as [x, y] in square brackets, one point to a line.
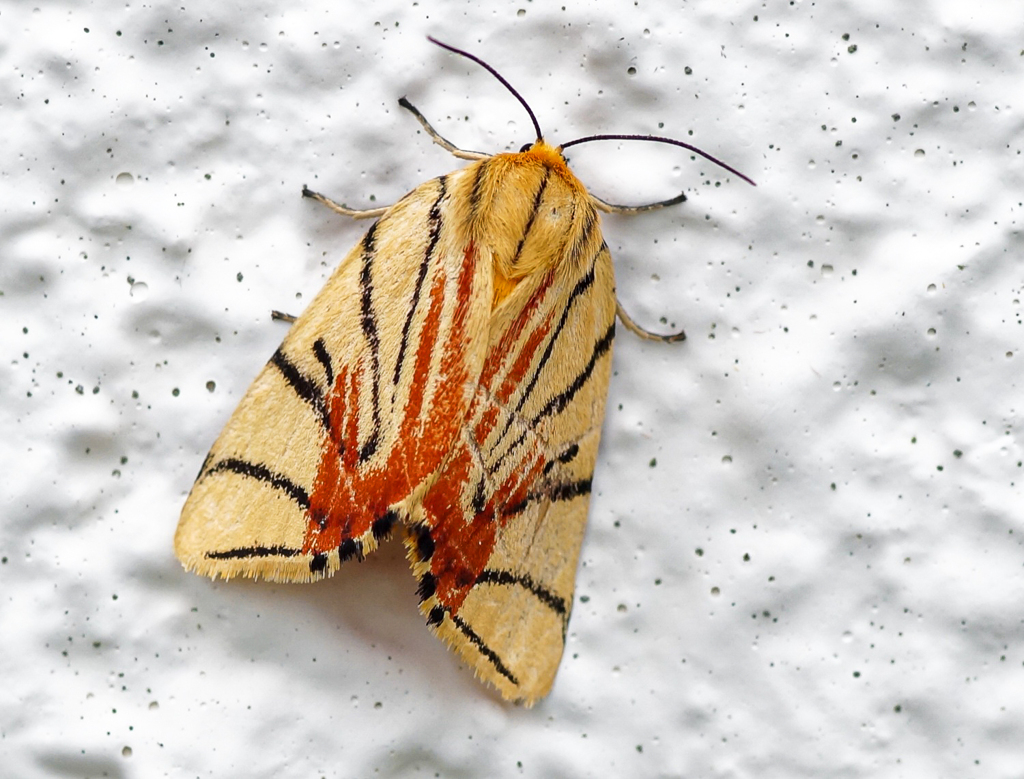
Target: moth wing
[499, 535]
[355, 411]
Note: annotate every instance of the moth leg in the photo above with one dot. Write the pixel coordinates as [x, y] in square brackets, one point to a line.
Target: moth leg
[280, 316]
[611, 208]
[355, 213]
[647, 335]
[436, 137]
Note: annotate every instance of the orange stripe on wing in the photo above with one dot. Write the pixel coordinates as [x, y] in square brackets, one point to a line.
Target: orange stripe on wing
[339, 454]
[507, 343]
[461, 549]
[349, 495]
[522, 357]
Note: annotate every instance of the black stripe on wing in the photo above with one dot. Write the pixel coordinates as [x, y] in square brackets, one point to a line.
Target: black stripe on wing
[581, 287]
[569, 490]
[544, 595]
[324, 356]
[554, 492]
[245, 552]
[563, 398]
[304, 387]
[317, 562]
[476, 193]
[264, 474]
[567, 456]
[482, 647]
[369, 324]
[434, 220]
[533, 214]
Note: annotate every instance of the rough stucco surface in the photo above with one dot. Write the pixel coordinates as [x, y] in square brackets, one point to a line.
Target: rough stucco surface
[804, 555]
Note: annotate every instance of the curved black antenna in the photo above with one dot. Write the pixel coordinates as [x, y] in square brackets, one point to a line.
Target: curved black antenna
[659, 139]
[498, 76]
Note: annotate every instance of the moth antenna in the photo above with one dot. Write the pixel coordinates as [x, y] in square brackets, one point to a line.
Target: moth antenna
[659, 139]
[497, 75]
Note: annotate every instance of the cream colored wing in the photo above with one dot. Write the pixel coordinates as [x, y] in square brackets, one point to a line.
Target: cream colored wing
[499, 533]
[356, 410]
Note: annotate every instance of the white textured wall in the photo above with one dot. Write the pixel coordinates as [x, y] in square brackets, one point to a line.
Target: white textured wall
[804, 556]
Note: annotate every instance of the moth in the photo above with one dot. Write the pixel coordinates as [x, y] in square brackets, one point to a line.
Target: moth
[449, 381]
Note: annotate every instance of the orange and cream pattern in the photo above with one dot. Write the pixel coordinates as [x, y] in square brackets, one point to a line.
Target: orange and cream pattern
[449, 379]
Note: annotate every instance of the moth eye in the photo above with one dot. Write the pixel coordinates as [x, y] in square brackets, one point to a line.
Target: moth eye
[526, 147]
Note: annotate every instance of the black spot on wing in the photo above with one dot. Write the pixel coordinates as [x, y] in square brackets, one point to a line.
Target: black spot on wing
[381, 527]
[264, 474]
[424, 543]
[350, 548]
[436, 616]
[319, 563]
[427, 586]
